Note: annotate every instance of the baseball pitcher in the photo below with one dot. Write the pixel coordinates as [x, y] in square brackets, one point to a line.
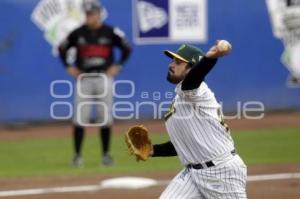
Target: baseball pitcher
[198, 134]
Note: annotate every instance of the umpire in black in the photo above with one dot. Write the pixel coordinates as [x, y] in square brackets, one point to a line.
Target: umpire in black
[94, 43]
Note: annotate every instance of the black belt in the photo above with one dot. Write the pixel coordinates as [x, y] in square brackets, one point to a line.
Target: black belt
[95, 71]
[207, 164]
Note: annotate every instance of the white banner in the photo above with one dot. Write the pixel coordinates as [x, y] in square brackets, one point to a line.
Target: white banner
[57, 18]
[188, 20]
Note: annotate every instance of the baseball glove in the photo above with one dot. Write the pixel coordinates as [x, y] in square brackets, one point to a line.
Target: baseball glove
[138, 142]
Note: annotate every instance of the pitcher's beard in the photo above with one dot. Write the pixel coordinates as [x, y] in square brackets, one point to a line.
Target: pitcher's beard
[174, 79]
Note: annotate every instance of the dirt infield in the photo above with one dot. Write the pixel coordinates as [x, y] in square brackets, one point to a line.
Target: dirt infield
[289, 188]
[157, 126]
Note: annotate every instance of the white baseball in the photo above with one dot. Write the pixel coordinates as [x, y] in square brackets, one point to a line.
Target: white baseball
[224, 46]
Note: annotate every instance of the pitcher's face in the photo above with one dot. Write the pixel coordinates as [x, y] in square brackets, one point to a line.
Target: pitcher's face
[177, 71]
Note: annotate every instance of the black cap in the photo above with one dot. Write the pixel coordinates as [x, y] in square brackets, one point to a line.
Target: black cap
[90, 6]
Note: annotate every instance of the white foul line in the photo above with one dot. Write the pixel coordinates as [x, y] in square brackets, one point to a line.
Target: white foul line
[254, 178]
[50, 190]
[280, 176]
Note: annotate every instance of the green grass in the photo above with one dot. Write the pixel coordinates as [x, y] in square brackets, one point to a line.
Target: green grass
[269, 146]
[51, 157]
[45, 157]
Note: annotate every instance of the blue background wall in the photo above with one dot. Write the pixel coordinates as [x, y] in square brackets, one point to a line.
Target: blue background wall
[252, 72]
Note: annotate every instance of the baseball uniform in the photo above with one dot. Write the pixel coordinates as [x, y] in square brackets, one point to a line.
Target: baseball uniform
[94, 57]
[200, 138]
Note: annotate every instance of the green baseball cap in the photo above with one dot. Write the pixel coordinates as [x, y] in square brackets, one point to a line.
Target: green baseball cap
[186, 53]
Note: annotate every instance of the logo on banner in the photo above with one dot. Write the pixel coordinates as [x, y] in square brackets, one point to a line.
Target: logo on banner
[57, 18]
[285, 18]
[151, 16]
[169, 21]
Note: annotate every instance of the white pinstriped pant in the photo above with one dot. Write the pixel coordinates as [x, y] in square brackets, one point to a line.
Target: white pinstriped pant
[224, 181]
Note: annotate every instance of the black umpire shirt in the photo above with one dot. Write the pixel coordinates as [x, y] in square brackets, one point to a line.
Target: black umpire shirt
[94, 48]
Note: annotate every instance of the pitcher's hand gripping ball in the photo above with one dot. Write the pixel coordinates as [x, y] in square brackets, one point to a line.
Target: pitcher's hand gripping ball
[138, 142]
[224, 46]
